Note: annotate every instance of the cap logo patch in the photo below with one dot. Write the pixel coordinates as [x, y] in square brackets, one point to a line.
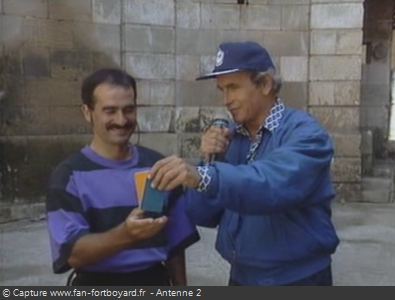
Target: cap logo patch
[220, 58]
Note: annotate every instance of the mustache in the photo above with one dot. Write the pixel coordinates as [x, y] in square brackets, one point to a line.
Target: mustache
[115, 126]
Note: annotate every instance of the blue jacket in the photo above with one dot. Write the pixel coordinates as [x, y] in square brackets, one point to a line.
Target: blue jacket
[274, 214]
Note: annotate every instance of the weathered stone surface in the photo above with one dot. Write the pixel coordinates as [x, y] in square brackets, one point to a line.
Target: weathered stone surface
[202, 93]
[51, 92]
[155, 119]
[261, 17]
[103, 37]
[76, 10]
[107, 12]
[165, 143]
[349, 42]
[335, 68]
[337, 119]
[326, 16]
[295, 17]
[31, 8]
[347, 170]
[294, 69]
[150, 12]
[188, 15]
[197, 42]
[149, 39]
[163, 92]
[36, 62]
[70, 65]
[188, 119]
[187, 67]
[335, 93]
[148, 66]
[347, 144]
[189, 144]
[286, 43]
[348, 192]
[220, 16]
[323, 42]
[294, 94]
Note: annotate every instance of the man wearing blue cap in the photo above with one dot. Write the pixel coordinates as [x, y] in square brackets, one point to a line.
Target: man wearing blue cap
[271, 195]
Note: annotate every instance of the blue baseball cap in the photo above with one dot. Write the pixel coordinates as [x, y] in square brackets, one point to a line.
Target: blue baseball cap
[239, 57]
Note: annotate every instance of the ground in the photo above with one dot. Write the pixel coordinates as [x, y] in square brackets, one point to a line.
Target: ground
[365, 257]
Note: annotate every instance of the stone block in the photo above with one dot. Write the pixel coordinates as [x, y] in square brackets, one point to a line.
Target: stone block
[149, 66]
[347, 144]
[278, 2]
[187, 67]
[68, 120]
[348, 192]
[220, 16]
[322, 93]
[335, 93]
[152, 92]
[188, 15]
[106, 59]
[337, 119]
[107, 12]
[36, 32]
[32, 8]
[197, 42]
[150, 12]
[295, 17]
[189, 145]
[165, 143]
[349, 42]
[149, 39]
[51, 92]
[323, 42]
[155, 119]
[337, 1]
[286, 43]
[36, 62]
[143, 92]
[202, 93]
[294, 94]
[105, 37]
[340, 15]
[163, 92]
[347, 170]
[347, 93]
[335, 68]
[261, 17]
[294, 69]
[76, 10]
[70, 65]
[187, 119]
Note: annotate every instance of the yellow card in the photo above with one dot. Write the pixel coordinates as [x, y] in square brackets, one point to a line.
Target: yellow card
[140, 179]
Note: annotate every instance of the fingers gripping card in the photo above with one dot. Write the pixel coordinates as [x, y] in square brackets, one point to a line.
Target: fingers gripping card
[153, 200]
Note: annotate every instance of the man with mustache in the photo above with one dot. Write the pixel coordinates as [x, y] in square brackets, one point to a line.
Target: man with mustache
[271, 196]
[95, 225]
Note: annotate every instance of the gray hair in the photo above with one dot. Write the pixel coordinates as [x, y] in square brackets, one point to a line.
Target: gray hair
[259, 78]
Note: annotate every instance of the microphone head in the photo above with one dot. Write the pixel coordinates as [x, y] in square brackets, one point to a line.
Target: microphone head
[221, 120]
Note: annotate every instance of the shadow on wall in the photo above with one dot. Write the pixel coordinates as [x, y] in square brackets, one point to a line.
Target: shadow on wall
[44, 58]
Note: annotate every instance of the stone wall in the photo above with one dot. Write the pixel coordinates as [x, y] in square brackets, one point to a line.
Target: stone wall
[51, 44]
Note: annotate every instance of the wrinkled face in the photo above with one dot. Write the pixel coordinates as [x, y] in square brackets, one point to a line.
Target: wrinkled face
[113, 117]
[244, 100]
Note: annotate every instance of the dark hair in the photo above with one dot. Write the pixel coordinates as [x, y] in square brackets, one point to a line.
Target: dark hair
[116, 77]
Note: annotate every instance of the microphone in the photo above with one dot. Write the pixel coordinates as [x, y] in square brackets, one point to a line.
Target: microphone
[221, 120]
